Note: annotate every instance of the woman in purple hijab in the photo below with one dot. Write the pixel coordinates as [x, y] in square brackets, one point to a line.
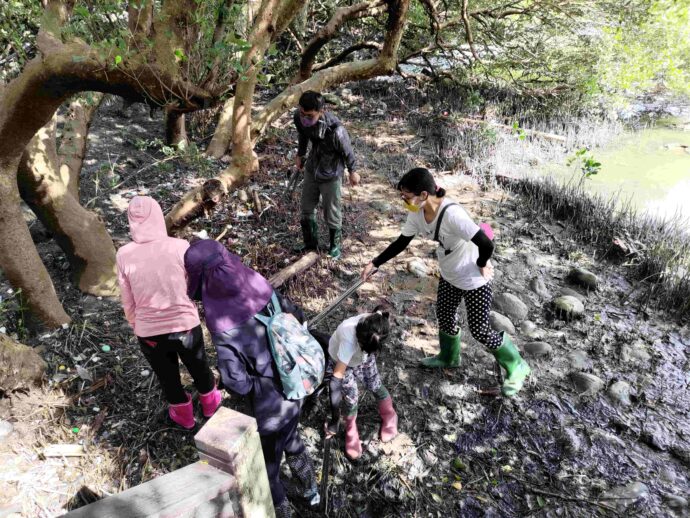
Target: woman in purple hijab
[232, 294]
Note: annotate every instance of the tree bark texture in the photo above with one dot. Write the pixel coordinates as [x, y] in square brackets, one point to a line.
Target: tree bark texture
[74, 139]
[220, 142]
[79, 232]
[175, 129]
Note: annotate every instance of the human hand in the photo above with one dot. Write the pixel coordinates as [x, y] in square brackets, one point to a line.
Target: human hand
[330, 429]
[487, 271]
[368, 270]
[354, 179]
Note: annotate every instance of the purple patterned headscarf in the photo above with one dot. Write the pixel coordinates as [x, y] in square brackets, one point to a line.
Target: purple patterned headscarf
[231, 292]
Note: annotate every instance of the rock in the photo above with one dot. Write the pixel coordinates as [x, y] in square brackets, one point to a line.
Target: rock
[501, 323]
[675, 502]
[586, 383]
[611, 439]
[667, 475]
[681, 451]
[429, 458]
[584, 278]
[568, 308]
[511, 306]
[657, 436]
[538, 286]
[455, 391]
[537, 348]
[578, 360]
[5, 429]
[530, 330]
[399, 298]
[242, 196]
[418, 268]
[332, 99]
[635, 353]
[20, 365]
[565, 291]
[623, 497]
[619, 393]
[571, 440]
[381, 206]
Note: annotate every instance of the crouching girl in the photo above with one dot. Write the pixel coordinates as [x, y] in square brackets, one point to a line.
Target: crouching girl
[352, 354]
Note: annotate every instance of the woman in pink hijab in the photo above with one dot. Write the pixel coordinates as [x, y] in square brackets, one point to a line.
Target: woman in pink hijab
[153, 287]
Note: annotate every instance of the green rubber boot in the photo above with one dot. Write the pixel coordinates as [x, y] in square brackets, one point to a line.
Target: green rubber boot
[516, 368]
[449, 356]
[310, 234]
[336, 237]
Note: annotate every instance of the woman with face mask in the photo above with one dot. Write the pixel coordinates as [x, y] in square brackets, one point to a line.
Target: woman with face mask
[464, 254]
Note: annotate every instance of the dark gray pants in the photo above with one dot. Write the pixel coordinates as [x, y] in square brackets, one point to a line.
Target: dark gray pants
[330, 194]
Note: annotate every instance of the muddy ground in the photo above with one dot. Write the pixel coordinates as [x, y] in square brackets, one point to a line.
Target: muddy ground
[602, 428]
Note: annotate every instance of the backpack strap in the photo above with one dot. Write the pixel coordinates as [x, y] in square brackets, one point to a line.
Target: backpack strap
[273, 310]
[438, 226]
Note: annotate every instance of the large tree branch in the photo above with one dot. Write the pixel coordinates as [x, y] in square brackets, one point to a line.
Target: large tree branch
[468, 30]
[329, 31]
[336, 60]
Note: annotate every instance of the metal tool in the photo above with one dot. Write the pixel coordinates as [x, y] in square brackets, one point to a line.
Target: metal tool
[325, 470]
[318, 318]
[293, 182]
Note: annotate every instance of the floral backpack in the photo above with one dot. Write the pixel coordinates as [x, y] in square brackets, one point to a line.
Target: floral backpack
[298, 356]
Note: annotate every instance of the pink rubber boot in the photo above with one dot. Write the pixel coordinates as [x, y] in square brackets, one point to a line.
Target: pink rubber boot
[389, 420]
[183, 413]
[210, 402]
[353, 446]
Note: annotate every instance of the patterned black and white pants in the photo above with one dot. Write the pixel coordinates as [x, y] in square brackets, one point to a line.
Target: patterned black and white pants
[366, 373]
[478, 305]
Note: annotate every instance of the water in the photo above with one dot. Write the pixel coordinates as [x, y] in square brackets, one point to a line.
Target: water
[650, 167]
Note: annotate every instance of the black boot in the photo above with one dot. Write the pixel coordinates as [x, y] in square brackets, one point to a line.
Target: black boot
[336, 236]
[310, 234]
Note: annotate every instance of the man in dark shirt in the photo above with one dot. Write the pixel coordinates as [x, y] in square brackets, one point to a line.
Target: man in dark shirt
[324, 168]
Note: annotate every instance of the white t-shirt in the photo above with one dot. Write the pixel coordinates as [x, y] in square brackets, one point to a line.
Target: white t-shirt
[343, 345]
[459, 267]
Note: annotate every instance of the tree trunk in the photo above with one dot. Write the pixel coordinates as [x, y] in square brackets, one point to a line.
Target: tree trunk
[175, 129]
[221, 137]
[74, 139]
[80, 233]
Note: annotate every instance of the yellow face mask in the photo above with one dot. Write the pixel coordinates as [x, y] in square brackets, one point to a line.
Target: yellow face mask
[409, 206]
[412, 207]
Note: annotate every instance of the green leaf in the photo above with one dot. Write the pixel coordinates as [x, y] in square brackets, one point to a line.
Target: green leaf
[540, 501]
[118, 60]
[82, 11]
[179, 54]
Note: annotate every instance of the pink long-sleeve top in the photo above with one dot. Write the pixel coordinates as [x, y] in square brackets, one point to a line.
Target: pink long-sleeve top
[152, 276]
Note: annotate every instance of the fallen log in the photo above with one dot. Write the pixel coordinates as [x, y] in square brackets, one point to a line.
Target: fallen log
[533, 133]
[283, 275]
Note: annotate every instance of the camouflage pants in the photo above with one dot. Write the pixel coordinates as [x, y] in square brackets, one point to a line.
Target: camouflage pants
[366, 373]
